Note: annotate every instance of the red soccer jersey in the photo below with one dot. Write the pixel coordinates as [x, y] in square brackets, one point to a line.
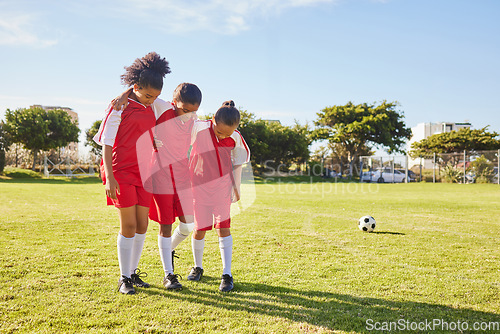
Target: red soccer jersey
[170, 165]
[121, 130]
[211, 163]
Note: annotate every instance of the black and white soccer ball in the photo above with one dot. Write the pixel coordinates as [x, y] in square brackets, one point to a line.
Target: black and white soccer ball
[366, 223]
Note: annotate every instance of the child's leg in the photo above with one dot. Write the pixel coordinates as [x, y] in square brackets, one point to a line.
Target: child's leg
[183, 205]
[198, 245]
[125, 241]
[165, 248]
[140, 236]
[182, 231]
[226, 249]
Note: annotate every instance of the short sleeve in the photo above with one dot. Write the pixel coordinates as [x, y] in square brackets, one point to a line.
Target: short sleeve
[159, 107]
[109, 128]
[241, 153]
[197, 127]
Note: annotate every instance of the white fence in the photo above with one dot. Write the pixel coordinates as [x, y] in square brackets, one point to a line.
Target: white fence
[463, 167]
[65, 167]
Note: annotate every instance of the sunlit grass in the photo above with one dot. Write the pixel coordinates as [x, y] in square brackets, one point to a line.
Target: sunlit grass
[300, 264]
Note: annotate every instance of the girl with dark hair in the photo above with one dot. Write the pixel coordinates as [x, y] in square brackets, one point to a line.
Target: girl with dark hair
[218, 152]
[169, 180]
[118, 136]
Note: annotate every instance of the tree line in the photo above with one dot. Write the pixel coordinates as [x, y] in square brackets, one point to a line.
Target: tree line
[350, 131]
[37, 130]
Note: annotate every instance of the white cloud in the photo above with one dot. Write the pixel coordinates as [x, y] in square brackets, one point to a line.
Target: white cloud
[221, 16]
[18, 30]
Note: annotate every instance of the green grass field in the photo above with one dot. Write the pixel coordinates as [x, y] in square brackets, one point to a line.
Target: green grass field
[300, 264]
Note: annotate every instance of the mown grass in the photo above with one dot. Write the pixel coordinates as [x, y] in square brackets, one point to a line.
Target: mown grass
[300, 264]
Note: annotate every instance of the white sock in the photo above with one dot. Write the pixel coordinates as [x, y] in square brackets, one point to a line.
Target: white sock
[165, 247]
[198, 246]
[226, 253]
[137, 251]
[178, 237]
[124, 247]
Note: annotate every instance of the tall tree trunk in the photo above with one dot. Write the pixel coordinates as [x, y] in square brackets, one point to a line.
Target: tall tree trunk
[35, 152]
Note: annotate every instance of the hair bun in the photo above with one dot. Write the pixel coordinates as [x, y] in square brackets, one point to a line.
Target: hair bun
[229, 103]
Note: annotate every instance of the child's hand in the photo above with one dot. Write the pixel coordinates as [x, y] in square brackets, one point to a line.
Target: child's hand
[235, 195]
[120, 102]
[158, 143]
[112, 187]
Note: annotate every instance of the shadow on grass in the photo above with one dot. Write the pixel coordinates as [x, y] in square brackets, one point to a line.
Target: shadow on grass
[263, 179]
[336, 312]
[55, 180]
[386, 232]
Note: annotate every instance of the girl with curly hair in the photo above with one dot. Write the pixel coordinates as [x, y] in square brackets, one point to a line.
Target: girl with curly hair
[118, 136]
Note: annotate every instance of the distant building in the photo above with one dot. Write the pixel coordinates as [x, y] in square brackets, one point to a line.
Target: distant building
[72, 147]
[425, 130]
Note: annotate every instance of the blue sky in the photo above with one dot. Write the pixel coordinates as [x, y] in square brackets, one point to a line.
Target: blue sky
[282, 60]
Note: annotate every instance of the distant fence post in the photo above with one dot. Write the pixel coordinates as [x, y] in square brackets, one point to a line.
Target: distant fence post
[45, 167]
[406, 168]
[434, 168]
[68, 166]
[465, 169]
[420, 168]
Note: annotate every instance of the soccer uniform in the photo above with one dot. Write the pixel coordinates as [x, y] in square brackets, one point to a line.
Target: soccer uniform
[171, 187]
[121, 129]
[211, 169]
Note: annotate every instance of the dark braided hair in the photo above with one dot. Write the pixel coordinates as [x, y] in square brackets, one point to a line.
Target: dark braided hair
[187, 93]
[147, 71]
[228, 114]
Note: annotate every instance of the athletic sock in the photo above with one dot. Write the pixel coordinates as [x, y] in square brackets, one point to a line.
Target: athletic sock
[124, 247]
[198, 246]
[137, 251]
[226, 253]
[165, 248]
[178, 237]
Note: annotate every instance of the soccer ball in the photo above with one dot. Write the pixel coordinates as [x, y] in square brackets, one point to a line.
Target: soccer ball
[366, 223]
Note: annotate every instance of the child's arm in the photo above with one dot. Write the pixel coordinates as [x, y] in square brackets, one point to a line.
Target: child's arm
[121, 101]
[112, 185]
[235, 194]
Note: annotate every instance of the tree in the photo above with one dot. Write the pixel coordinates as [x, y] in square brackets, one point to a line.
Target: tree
[40, 130]
[89, 138]
[464, 139]
[4, 145]
[360, 127]
[272, 143]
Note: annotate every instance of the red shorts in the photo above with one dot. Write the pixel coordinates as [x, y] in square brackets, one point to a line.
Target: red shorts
[208, 216]
[130, 195]
[165, 208]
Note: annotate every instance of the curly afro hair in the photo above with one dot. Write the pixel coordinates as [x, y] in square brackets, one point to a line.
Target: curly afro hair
[227, 114]
[147, 71]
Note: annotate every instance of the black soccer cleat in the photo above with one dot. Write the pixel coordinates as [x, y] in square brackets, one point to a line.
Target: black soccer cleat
[171, 282]
[137, 280]
[226, 283]
[126, 286]
[195, 274]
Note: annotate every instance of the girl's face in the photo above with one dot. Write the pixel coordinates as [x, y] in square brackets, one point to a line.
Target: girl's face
[145, 96]
[185, 111]
[223, 130]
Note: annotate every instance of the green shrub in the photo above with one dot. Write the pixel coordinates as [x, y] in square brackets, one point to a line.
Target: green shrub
[19, 173]
[451, 174]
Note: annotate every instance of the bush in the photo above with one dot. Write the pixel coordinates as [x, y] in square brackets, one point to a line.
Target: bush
[483, 169]
[19, 173]
[451, 174]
